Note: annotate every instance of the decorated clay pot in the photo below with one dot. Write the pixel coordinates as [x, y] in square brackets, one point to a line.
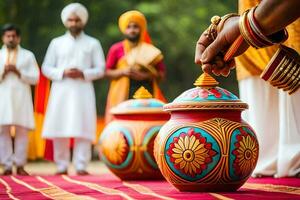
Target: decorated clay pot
[126, 143]
[206, 146]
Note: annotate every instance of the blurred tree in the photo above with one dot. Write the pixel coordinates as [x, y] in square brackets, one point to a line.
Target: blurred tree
[173, 25]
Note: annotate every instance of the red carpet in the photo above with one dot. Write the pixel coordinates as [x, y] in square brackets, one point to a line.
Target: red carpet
[109, 187]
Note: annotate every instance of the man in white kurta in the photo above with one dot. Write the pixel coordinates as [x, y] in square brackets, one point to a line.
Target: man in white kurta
[72, 62]
[18, 70]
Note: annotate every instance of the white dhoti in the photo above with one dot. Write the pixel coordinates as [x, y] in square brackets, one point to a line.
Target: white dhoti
[19, 154]
[81, 153]
[275, 117]
[289, 139]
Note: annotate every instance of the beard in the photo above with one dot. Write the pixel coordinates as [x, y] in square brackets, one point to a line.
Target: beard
[75, 30]
[133, 38]
[11, 45]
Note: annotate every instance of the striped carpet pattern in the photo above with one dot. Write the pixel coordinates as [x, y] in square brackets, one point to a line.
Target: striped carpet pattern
[107, 186]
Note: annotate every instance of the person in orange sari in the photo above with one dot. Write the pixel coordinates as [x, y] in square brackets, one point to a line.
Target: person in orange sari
[133, 62]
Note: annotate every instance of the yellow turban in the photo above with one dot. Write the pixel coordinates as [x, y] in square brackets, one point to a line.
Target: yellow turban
[132, 16]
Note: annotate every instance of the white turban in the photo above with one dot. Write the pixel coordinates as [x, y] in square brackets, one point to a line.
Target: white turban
[77, 9]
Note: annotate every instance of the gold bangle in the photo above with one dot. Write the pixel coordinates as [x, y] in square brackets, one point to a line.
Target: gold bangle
[279, 70]
[289, 77]
[275, 75]
[297, 77]
[289, 83]
[211, 31]
[295, 84]
[283, 76]
[223, 20]
[292, 77]
[295, 88]
[243, 30]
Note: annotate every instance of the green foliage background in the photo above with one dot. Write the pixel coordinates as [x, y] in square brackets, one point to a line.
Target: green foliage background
[174, 26]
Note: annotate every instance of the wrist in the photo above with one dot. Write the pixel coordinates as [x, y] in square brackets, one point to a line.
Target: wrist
[263, 22]
[151, 76]
[121, 73]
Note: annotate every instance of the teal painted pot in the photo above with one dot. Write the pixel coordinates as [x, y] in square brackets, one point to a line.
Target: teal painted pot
[127, 142]
[206, 146]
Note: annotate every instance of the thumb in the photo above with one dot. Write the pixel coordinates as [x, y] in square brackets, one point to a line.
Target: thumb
[212, 50]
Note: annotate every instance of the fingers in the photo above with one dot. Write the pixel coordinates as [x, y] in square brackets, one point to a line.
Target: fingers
[218, 66]
[213, 49]
[201, 45]
[231, 64]
[225, 71]
[207, 68]
[227, 67]
[216, 71]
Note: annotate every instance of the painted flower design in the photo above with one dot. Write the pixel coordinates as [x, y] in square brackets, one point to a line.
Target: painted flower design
[216, 93]
[203, 93]
[191, 153]
[246, 153]
[115, 148]
[193, 94]
[226, 92]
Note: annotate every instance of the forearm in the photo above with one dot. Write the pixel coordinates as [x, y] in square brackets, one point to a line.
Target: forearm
[114, 73]
[274, 15]
[53, 73]
[30, 77]
[92, 74]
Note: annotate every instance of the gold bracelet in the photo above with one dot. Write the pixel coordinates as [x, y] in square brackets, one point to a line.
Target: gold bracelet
[211, 31]
[243, 29]
[281, 79]
[289, 83]
[275, 75]
[223, 20]
[286, 82]
[295, 85]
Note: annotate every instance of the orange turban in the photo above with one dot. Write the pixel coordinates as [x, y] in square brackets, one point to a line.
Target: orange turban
[132, 16]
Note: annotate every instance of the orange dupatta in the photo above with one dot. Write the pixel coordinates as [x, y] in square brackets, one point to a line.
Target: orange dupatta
[119, 88]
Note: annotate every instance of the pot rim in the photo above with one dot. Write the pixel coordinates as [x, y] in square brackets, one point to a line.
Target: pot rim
[215, 105]
[131, 111]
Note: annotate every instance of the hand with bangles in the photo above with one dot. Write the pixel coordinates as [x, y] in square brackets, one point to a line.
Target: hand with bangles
[231, 35]
[214, 42]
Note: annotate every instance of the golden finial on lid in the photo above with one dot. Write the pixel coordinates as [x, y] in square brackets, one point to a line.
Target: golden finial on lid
[142, 93]
[206, 80]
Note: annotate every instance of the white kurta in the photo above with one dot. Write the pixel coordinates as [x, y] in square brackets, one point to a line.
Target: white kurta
[71, 110]
[275, 116]
[16, 106]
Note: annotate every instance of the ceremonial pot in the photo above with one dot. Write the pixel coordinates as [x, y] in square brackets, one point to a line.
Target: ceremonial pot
[206, 146]
[126, 143]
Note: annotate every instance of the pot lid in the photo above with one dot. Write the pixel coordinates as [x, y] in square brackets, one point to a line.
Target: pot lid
[205, 96]
[142, 103]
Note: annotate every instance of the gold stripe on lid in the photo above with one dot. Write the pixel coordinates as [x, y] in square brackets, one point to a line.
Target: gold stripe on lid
[142, 93]
[206, 80]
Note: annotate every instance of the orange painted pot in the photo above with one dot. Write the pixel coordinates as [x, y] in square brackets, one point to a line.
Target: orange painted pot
[126, 143]
[206, 146]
